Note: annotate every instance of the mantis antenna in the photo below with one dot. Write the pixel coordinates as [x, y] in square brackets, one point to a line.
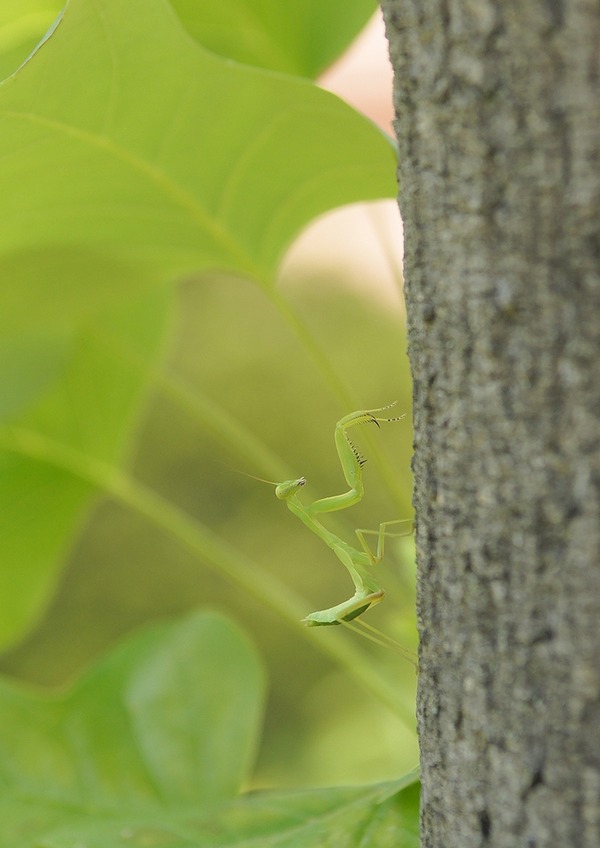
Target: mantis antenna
[359, 563]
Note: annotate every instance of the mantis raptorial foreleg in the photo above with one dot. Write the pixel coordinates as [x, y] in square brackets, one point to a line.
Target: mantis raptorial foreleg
[358, 562]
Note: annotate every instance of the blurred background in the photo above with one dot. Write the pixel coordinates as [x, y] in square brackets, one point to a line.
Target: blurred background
[285, 376]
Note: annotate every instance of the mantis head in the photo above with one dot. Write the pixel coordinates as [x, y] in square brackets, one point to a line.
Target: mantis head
[285, 490]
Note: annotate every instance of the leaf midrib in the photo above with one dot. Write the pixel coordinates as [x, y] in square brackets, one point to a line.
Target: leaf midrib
[158, 177]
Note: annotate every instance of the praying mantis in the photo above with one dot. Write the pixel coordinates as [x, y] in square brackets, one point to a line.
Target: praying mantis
[359, 563]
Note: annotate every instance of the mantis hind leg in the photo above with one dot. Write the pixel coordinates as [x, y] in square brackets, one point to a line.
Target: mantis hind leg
[381, 535]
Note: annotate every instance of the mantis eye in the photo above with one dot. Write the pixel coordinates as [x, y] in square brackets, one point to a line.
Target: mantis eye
[285, 490]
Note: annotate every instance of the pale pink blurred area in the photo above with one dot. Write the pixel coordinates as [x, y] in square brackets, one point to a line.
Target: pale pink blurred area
[360, 245]
[363, 75]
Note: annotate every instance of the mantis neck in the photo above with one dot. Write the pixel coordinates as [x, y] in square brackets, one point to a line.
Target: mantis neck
[301, 512]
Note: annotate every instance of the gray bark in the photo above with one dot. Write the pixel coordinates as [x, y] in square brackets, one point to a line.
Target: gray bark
[498, 122]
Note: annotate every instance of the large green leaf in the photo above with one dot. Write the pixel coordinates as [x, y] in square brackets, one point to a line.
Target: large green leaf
[170, 717]
[22, 25]
[299, 37]
[124, 141]
[128, 154]
[380, 816]
[151, 747]
[90, 403]
[29, 363]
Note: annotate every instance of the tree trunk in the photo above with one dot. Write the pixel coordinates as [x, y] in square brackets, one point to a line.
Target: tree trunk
[498, 122]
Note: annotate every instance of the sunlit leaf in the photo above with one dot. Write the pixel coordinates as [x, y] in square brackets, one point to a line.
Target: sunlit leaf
[128, 156]
[299, 37]
[123, 141]
[22, 25]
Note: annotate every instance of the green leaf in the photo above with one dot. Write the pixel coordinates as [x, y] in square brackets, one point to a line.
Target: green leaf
[171, 717]
[22, 25]
[84, 282]
[89, 403]
[300, 37]
[129, 155]
[150, 748]
[381, 816]
[29, 364]
[124, 143]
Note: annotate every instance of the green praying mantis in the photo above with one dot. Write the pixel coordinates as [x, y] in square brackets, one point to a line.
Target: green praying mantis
[359, 563]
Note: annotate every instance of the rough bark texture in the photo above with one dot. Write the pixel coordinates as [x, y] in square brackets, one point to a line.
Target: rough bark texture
[498, 121]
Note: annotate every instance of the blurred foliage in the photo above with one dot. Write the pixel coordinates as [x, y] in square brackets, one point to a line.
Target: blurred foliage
[139, 752]
[299, 37]
[110, 196]
[231, 344]
[180, 385]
